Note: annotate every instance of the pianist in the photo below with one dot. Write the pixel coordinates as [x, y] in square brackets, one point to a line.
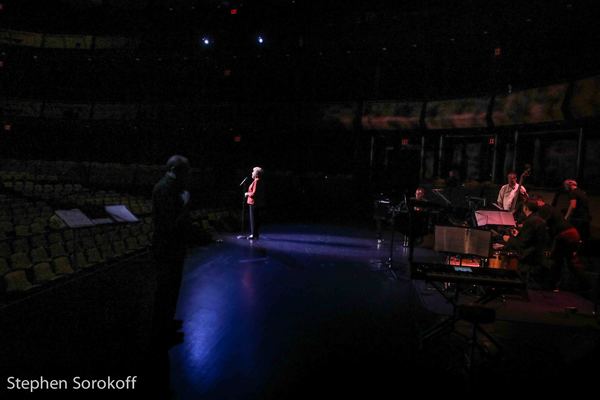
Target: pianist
[419, 196]
[421, 217]
[530, 241]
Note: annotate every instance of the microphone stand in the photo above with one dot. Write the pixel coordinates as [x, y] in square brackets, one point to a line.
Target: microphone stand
[242, 235]
[411, 233]
[390, 261]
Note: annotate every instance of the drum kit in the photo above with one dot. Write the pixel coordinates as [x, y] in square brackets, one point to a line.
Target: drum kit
[504, 260]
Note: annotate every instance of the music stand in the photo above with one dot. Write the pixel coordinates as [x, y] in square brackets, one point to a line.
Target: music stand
[390, 262]
[74, 219]
[120, 213]
[492, 217]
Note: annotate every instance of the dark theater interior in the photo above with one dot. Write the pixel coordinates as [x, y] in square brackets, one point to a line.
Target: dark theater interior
[294, 199]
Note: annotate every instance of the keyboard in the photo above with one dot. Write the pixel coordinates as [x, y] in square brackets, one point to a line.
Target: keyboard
[469, 275]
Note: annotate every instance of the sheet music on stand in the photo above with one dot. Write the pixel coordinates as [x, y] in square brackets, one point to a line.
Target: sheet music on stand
[74, 218]
[487, 217]
[120, 213]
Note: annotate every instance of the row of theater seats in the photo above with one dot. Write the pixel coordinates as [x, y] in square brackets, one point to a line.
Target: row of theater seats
[75, 195]
[34, 251]
[29, 262]
[23, 217]
[35, 247]
[33, 259]
[216, 220]
[93, 174]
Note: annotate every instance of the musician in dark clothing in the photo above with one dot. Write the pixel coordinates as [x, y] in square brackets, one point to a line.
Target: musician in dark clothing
[453, 179]
[172, 225]
[420, 215]
[565, 244]
[578, 213]
[530, 241]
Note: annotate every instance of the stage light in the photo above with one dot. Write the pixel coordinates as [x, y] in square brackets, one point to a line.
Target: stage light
[404, 141]
[491, 140]
[7, 127]
[260, 40]
[237, 138]
[233, 11]
[205, 41]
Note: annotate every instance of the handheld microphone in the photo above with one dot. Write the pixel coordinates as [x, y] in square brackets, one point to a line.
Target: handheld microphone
[244, 181]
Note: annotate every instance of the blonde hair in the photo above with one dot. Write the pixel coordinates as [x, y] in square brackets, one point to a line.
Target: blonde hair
[259, 171]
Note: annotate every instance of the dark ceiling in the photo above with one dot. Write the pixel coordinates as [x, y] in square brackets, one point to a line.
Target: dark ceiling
[377, 48]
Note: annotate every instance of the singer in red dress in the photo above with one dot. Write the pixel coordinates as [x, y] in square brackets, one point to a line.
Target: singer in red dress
[256, 202]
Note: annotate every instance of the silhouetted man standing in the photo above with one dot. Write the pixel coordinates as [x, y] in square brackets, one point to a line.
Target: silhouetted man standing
[170, 201]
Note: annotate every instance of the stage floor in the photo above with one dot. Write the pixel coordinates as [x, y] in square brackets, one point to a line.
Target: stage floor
[313, 309]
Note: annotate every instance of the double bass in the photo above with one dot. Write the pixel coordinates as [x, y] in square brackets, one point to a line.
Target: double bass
[521, 197]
